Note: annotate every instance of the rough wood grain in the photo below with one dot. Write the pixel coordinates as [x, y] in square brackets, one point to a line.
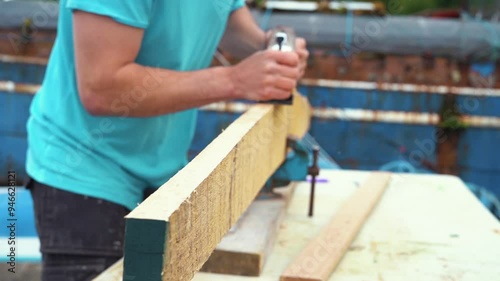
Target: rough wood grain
[299, 117]
[172, 233]
[320, 257]
[244, 250]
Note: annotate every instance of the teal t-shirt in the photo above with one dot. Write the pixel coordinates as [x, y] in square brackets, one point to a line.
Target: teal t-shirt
[116, 158]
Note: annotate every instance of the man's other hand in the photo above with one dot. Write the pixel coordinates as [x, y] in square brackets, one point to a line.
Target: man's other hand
[267, 75]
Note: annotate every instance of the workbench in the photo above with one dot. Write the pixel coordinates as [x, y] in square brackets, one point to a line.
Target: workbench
[425, 227]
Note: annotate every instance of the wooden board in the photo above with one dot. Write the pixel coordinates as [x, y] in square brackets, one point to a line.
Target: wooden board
[244, 250]
[425, 227]
[172, 233]
[320, 257]
[299, 116]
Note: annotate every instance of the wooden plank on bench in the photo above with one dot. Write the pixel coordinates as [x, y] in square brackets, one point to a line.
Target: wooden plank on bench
[173, 232]
[320, 257]
[244, 250]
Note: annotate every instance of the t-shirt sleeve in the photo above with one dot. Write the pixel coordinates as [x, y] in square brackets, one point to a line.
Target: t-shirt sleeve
[135, 13]
[237, 4]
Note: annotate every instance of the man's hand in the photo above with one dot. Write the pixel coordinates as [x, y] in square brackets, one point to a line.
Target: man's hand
[266, 75]
[303, 53]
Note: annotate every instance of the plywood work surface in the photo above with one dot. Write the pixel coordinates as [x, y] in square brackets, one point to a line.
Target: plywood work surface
[425, 227]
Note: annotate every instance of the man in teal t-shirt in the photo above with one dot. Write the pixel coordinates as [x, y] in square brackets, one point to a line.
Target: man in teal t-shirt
[116, 112]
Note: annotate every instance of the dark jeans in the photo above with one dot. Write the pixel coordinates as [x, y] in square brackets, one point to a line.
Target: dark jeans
[80, 236]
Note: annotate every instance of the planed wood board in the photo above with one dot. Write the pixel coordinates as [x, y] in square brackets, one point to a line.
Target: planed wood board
[319, 258]
[244, 251]
[173, 232]
[299, 116]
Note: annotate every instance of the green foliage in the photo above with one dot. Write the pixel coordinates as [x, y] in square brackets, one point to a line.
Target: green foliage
[452, 123]
[450, 115]
[402, 7]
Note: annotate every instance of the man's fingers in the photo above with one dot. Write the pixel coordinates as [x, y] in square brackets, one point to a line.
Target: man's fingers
[303, 65]
[285, 84]
[300, 43]
[285, 58]
[277, 94]
[287, 71]
[303, 53]
[301, 74]
[279, 88]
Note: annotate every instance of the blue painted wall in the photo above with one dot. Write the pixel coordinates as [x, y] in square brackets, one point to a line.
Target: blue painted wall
[22, 73]
[354, 145]
[14, 112]
[362, 145]
[371, 99]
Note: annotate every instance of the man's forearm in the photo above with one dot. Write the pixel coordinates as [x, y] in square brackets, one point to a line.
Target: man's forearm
[243, 36]
[111, 83]
[139, 91]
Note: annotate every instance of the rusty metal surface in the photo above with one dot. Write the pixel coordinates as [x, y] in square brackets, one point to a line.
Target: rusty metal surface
[43, 13]
[346, 114]
[38, 45]
[4, 58]
[18, 88]
[447, 154]
[411, 50]
[357, 138]
[402, 117]
[401, 87]
[395, 71]
[362, 115]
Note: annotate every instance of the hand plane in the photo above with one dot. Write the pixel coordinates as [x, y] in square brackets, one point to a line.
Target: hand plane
[282, 39]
